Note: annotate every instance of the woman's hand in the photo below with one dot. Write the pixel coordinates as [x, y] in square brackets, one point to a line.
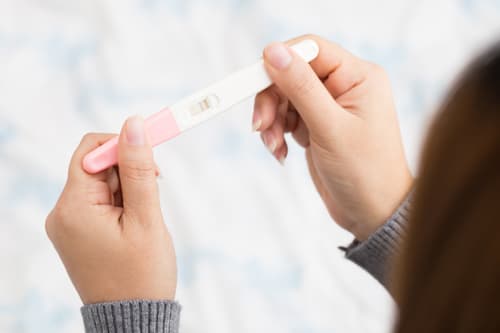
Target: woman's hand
[341, 110]
[108, 228]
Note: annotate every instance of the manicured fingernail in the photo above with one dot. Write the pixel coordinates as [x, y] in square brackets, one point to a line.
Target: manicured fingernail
[278, 56]
[135, 131]
[270, 143]
[281, 158]
[256, 124]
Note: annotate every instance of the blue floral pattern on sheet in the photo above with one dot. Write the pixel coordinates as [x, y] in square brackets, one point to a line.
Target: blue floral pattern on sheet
[257, 252]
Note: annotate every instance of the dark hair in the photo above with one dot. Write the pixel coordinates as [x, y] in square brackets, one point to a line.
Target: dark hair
[448, 276]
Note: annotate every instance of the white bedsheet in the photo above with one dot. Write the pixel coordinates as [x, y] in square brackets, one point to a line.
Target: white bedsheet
[257, 252]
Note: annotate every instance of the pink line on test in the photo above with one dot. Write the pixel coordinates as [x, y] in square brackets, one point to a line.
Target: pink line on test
[160, 127]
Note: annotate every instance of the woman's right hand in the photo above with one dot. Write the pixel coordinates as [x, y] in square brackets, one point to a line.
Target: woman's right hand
[341, 110]
[108, 227]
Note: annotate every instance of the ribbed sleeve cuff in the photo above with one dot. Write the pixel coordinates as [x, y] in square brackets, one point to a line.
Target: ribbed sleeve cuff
[132, 317]
[376, 253]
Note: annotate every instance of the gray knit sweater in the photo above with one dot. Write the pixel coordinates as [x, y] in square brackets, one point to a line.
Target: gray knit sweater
[140, 316]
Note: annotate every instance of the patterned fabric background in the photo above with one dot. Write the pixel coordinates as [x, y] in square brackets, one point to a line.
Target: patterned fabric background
[257, 251]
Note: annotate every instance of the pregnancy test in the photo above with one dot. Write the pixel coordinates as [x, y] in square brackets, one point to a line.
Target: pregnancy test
[198, 107]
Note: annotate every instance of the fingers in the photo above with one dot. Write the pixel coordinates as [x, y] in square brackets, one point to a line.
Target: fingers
[300, 84]
[313, 89]
[113, 182]
[274, 117]
[339, 69]
[137, 171]
[265, 108]
[76, 173]
[273, 135]
[281, 153]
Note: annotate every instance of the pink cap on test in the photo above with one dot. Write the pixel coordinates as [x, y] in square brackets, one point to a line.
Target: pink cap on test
[160, 127]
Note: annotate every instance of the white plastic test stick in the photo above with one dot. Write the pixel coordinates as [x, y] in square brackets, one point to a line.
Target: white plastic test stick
[198, 107]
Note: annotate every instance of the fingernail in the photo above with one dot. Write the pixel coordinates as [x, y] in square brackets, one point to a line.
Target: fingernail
[256, 124]
[278, 56]
[272, 146]
[282, 158]
[135, 131]
[270, 143]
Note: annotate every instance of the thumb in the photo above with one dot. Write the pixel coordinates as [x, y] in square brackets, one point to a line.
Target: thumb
[300, 84]
[137, 171]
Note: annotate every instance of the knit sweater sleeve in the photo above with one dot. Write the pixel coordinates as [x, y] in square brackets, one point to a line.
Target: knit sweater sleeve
[376, 253]
[132, 317]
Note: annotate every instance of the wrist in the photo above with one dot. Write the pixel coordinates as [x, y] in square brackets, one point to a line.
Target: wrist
[376, 253]
[383, 211]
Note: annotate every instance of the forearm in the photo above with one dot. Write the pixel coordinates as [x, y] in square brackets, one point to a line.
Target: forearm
[376, 254]
[132, 317]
